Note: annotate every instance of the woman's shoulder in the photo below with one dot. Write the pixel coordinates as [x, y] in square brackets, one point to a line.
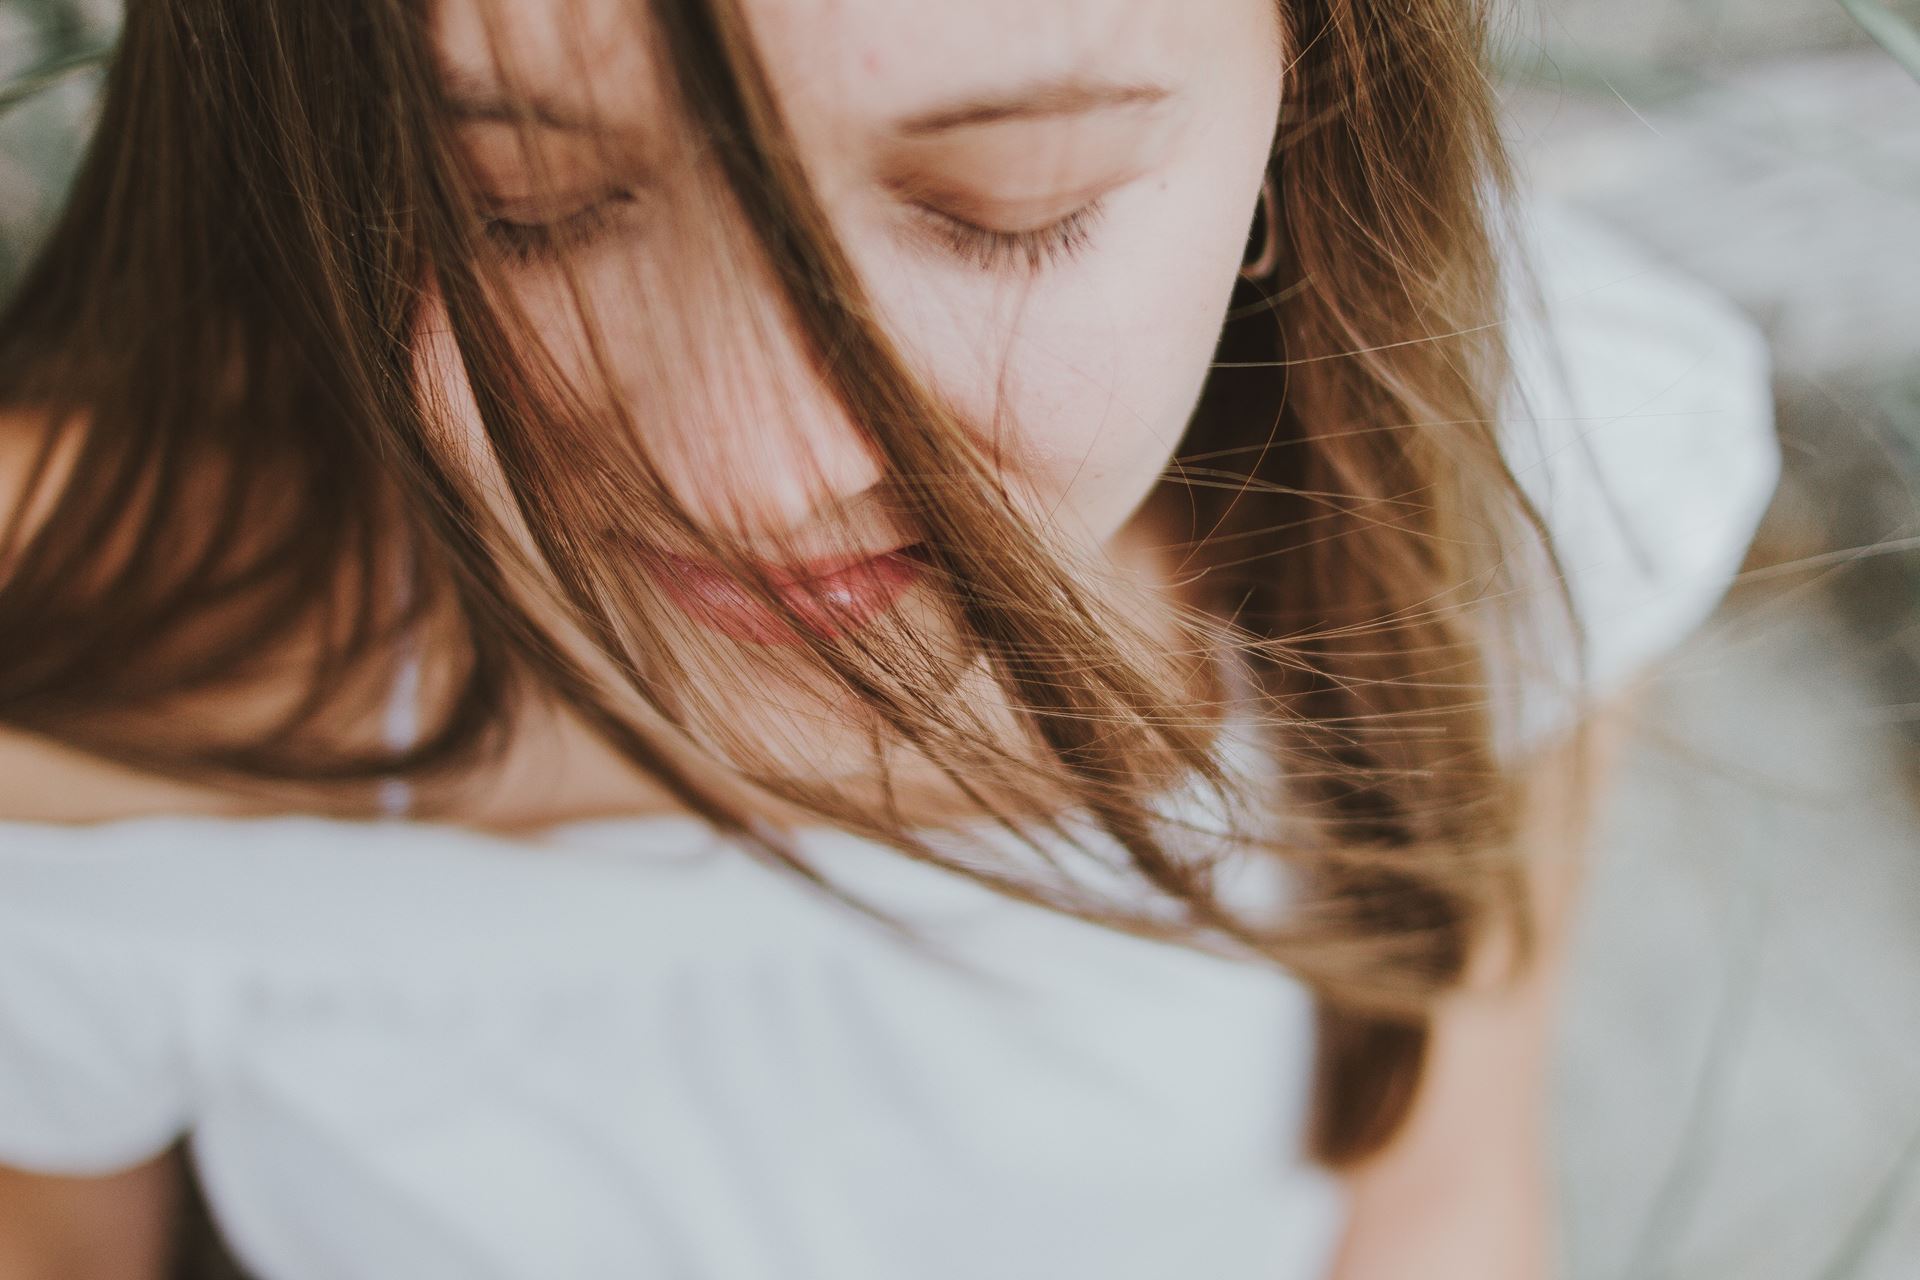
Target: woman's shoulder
[42, 780]
[1642, 429]
[1627, 361]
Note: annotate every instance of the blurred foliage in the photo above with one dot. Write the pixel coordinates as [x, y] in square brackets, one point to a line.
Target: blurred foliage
[1897, 32]
[51, 52]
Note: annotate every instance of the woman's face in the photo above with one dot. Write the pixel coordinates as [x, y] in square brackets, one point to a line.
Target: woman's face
[1048, 202]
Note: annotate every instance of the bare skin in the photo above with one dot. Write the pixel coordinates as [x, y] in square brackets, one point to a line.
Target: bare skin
[118, 1226]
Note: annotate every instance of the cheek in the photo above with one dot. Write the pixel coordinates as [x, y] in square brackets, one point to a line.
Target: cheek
[1091, 371]
[452, 420]
[1098, 422]
[562, 343]
[445, 395]
[1104, 373]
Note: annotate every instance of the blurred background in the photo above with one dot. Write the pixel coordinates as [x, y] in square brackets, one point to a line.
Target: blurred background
[1739, 1090]
[1740, 1082]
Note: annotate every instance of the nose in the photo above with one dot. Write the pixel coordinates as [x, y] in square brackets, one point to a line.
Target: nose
[760, 449]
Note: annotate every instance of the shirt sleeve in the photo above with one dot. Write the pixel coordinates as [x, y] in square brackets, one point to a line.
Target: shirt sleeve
[1642, 429]
[93, 1062]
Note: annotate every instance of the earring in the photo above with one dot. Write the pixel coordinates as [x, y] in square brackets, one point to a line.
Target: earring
[1269, 256]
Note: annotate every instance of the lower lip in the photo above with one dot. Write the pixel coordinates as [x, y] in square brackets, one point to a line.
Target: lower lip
[846, 600]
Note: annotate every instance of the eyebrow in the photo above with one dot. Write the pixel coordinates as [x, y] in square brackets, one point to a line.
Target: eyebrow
[471, 99]
[1060, 96]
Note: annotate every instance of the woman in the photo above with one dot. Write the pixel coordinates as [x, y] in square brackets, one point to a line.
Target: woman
[755, 638]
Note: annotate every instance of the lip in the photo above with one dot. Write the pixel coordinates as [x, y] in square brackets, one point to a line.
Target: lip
[830, 597]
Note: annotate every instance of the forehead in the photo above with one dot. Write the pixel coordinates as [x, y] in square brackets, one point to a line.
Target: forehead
[878, 59]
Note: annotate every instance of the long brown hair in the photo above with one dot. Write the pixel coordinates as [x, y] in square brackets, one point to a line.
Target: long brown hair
[220, 337]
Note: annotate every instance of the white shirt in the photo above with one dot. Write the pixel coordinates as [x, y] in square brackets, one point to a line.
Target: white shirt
[630, 1049]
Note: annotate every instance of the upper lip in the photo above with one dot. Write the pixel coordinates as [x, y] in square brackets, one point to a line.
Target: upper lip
[781, 575]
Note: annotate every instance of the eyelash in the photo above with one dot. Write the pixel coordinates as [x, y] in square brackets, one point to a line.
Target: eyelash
[528, 242]
[1035, 249]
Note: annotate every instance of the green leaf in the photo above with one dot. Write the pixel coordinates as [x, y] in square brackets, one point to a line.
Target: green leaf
[49, 73]
[1898, 34]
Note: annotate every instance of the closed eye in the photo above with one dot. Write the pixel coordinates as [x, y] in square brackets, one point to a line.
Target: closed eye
[993, 250]
[989, 249]
[529, 240]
